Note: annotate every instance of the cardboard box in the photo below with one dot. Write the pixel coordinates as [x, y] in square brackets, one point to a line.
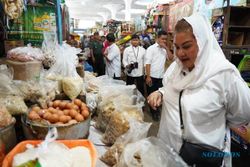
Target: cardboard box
[10, 44]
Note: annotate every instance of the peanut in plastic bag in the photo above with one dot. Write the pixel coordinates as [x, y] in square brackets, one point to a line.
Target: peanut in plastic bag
[149, 152]
[119, 122]
[109, 105]
[49, 45]
[138, 130]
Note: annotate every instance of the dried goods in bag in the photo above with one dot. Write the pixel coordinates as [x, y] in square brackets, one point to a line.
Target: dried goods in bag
[64, 71]
[14, 104]
[72, 86]
[5, 117]
[138, 130]
[149, 152]
[119, 122]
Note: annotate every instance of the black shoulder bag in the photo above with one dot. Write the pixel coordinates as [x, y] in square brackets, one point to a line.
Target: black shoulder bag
[200, 155]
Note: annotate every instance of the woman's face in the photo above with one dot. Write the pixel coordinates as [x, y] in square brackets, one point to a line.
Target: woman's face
[186, 49]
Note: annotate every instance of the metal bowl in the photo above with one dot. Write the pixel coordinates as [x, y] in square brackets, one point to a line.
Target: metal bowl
[8, 136]
[33, 131]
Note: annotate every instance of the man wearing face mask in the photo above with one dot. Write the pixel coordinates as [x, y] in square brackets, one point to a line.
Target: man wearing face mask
[156, 56]
[133, 61]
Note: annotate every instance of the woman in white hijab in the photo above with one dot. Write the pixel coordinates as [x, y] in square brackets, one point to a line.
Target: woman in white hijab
[214, 96]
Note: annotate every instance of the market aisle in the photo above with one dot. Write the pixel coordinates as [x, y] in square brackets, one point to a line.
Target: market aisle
[148, 118]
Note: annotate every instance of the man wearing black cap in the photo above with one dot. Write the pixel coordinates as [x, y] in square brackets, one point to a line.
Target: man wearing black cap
[133, 61]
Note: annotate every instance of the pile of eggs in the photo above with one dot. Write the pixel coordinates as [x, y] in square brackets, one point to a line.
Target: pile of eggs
[61, 112]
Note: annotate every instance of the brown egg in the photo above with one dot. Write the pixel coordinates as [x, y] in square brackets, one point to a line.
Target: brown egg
[72, 113]
[85, 113]
[69, 105]
[51, 109]
[54, 118]
[66, 112]
[33, 115]
[41, 112]
[75, 107]
[56, 103]
[84, 106]
[47, 115]
[60, 112]
[78, 102]
[62, 105]
[63, 119]
[79, 117]
[68, 118]
[36, 108]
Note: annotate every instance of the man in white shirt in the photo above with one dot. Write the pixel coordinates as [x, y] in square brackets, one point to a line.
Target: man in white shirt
[156, 57]
[133, 61]
[113, 58]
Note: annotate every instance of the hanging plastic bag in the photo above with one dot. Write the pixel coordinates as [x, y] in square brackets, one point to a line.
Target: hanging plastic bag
[64, 70]
[149, 152]
[49, 46]
[138, 130]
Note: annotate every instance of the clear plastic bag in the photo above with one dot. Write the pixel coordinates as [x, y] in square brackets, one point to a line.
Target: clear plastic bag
[49, 153]
[5, 117]
[91, 101]
[49, 46]
[64, 70]
[24, 54]
[119, 122]
[138, 130]
[93, 85]
[40, 92]
[14, 104]
[66, 62]
[6, 77]
[149, 152]
[110, 104]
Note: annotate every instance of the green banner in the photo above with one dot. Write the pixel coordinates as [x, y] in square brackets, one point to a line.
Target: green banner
[31, 25]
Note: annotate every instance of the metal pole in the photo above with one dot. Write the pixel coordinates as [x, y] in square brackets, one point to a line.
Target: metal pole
[59, 21]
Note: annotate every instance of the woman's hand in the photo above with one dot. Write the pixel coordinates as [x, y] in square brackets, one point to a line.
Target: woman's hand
[155, 99]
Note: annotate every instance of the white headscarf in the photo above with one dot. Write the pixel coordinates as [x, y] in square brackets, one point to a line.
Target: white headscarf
[210, 59]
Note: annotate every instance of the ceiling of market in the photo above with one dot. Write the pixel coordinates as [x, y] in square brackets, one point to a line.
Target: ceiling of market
[100, 10]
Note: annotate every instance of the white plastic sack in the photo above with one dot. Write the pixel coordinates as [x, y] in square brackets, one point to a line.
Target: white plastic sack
[149, 152]
[137, 131]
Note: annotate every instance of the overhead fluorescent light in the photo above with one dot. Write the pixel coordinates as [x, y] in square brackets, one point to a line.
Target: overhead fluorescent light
[143, 2]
